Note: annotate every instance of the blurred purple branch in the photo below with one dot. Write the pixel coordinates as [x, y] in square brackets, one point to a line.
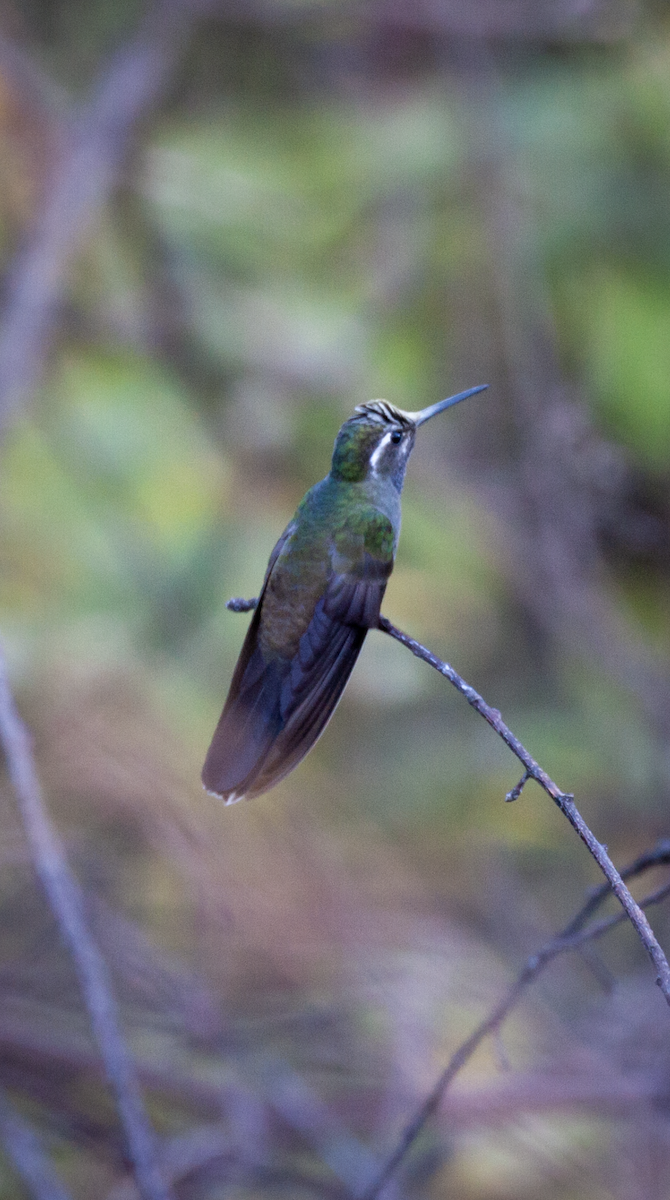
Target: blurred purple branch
[572, 937]
[89, 149]
[279, 1094]
[564, 800]
[92, 146]
[24, 1150]
[302, 1107]
[61, 1054]
[182, 1156]
[66, 900]
[525, 20]
[37, 91]
[207, 1148]
[513, 19]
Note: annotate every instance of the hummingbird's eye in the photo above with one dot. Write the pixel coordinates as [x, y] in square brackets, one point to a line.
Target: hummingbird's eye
[396, 436]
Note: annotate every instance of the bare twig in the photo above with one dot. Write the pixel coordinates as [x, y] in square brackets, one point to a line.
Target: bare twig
[533, 770]
[24, 1150]
[564, 800]
[65, 897]
[571, 938]
[516, 791]
[659, 856]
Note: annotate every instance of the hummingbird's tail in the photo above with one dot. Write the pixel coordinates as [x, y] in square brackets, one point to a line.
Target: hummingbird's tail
[277, 708]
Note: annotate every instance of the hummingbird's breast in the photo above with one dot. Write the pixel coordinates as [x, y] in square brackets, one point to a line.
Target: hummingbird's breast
[327, 536]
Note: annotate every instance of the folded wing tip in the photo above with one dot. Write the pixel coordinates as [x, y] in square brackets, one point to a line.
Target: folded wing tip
[233, 798]
[227, 797]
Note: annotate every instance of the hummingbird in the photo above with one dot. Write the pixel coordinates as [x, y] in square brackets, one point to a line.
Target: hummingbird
[322, 592]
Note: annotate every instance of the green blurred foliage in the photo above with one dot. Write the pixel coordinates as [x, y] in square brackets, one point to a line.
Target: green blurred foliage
[286, 245]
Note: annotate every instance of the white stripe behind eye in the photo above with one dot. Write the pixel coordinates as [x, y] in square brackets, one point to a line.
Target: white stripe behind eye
[377, 453]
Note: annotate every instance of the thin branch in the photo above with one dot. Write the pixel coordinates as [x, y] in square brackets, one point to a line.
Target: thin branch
[271, 1086]
[184, 1155]
[571, 937]
[66, 900]
[659, 856]
[564, 800]
[533, 770]
[26, 1153]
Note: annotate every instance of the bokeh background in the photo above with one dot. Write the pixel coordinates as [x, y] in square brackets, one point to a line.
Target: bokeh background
[222, 225]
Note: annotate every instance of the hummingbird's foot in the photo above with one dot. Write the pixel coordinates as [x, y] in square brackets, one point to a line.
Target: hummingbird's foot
[237, 604]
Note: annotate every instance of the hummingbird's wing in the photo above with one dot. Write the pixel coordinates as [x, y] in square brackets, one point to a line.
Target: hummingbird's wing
[277, 708]
[245, 730]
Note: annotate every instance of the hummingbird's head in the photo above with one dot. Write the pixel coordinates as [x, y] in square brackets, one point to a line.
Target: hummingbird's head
[377, 441]
[374, 444]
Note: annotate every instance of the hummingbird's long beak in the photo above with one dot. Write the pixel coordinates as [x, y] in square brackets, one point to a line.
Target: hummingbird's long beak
[426, 413]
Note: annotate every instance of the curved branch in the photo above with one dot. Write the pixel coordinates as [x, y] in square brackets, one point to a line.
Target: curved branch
[533, 770]
[93, 145]
[564, 800]
[66, 900]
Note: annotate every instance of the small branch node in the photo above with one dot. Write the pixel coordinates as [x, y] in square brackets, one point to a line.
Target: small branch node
[563, 799]
[516, 791]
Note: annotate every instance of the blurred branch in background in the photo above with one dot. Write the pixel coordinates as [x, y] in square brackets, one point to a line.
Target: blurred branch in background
[87, 151]
[26, 1152]
[67, 902]
[153, 1170]
[573, 937]
[552, 502]
[599, 20]
[533, 770]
